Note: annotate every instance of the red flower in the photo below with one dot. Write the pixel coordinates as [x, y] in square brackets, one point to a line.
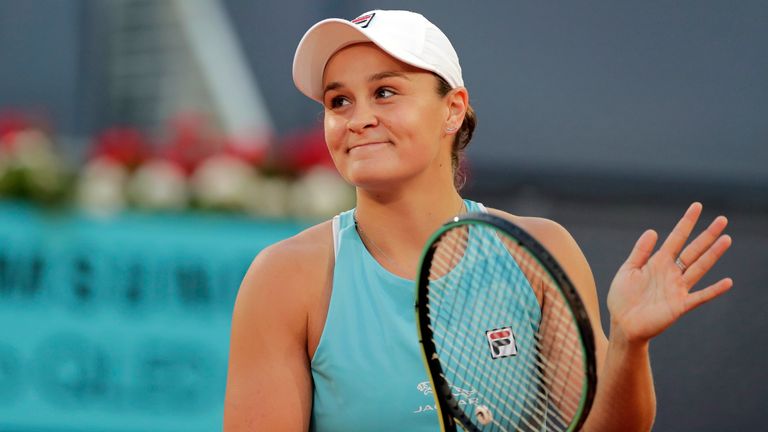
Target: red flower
[303, 150]
[251, 150]
[190, 141]
[12, 122]
[125, 145]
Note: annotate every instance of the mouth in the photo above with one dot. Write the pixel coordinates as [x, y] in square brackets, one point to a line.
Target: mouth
[367, 146]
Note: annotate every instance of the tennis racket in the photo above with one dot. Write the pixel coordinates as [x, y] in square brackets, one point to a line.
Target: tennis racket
[504, 335]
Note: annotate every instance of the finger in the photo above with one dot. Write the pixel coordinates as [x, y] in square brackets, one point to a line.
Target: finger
[703, 241]
[642, 250]
[701, 266]
[698, 298]
[679, 235]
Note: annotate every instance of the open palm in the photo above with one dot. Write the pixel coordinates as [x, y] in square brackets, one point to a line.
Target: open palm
[651, 290]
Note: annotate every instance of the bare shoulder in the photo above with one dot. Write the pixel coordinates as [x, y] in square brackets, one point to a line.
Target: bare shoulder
[281, 285]
[269, 385]
[301, 251]
[558, 241]
[290, 271]
[553, 236]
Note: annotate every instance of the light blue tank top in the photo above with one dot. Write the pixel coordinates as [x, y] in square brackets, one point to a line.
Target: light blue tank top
[367, 370]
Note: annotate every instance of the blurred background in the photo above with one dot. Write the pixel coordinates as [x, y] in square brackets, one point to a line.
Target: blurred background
[150, 148]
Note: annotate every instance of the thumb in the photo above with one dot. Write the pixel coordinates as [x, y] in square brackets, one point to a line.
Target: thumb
[642, 250]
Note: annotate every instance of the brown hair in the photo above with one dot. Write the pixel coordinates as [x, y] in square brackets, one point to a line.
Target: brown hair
[462, 138]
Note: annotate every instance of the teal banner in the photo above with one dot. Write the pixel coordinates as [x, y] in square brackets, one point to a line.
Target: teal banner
[119, 324]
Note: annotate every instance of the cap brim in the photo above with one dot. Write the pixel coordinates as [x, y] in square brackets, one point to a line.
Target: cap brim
[319, 43]
[323, 40]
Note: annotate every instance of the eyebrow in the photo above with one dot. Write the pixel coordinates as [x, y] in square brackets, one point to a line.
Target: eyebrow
[375, 77]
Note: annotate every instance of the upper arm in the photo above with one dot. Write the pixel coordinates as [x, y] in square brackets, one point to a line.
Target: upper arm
[559, 242]
[269, 385]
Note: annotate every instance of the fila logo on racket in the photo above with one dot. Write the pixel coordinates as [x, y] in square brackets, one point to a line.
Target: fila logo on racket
[502, 342]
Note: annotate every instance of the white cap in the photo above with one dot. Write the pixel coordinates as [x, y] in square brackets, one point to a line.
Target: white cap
[406, 36]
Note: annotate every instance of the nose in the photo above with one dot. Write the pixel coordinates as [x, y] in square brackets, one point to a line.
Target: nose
[363, 117]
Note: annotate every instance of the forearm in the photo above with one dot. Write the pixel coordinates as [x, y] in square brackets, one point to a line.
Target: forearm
[625, 399]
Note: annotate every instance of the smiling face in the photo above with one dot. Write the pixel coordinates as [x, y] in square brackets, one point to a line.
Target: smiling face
[384, 121]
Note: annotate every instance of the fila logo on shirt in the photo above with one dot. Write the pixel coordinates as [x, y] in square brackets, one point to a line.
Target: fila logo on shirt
[501, 341]
[364, 20]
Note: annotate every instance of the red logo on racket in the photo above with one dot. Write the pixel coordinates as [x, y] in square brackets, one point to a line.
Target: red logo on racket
[502, 342]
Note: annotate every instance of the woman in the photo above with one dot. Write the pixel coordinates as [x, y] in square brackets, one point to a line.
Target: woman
[323, 333]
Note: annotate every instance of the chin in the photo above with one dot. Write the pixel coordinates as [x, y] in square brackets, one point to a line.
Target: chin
[386, 180]
[370, 176]
[371, 181]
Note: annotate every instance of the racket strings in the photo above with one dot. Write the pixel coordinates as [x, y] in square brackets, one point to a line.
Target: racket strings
[537, 411]
[558, 335]
[461, 362]
[551, 341]
[542, 364]
[488, 378]
[539, 407]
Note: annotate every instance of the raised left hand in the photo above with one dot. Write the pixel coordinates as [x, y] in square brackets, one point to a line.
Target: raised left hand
[651, 291]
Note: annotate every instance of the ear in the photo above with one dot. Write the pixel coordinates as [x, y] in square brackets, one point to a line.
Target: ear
[457, 101]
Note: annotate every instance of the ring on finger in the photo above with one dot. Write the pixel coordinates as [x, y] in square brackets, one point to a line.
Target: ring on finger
[680, 264]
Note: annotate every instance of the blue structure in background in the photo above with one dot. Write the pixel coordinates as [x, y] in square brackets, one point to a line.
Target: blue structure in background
[119, 324]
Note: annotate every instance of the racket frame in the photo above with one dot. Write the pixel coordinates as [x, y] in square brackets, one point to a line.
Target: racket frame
[448, 409]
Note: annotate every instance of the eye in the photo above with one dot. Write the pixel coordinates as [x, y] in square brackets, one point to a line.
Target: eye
[338, 101]
[384, 93]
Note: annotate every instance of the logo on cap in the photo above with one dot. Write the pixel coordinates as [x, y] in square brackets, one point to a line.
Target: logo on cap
[502, 342]
[364, 20]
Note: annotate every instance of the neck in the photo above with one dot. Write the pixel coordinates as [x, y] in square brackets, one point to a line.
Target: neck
[408, 212]
[396, 226]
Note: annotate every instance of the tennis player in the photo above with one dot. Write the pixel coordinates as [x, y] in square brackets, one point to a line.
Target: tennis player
[323, 332]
